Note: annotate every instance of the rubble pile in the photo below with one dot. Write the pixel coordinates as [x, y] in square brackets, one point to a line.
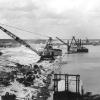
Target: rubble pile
[27, 81]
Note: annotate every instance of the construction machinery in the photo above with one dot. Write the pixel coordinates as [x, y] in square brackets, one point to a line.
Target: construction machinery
[47, 54]
[75, 46]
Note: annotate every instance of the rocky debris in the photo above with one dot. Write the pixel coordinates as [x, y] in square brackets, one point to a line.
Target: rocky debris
[33, 78]
[6, 78]
[8, 96]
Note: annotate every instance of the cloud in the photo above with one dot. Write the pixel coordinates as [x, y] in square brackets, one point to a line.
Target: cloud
[13, 3]
[65, 17]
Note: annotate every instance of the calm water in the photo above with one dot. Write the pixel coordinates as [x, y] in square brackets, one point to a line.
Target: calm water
[88, 66]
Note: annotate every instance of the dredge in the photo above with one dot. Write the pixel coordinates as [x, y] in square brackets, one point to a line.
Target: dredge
[75, 46]
[49, 53]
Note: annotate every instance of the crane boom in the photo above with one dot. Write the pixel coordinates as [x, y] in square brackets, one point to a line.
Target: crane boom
[62, 41]
[73, 38]
[18, 39]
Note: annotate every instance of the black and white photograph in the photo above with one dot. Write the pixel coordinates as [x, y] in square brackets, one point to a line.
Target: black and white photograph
[49, 49]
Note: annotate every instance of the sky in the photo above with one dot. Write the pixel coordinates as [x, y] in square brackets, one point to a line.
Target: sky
[43, 18]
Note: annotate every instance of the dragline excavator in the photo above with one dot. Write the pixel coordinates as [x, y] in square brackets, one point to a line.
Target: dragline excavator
[74, 46]
[67, 44]
[47, 54]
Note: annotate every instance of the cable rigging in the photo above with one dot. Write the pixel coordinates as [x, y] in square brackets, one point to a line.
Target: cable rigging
[24, 30]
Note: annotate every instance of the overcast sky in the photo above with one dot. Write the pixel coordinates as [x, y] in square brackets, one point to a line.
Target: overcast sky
[62, 18]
